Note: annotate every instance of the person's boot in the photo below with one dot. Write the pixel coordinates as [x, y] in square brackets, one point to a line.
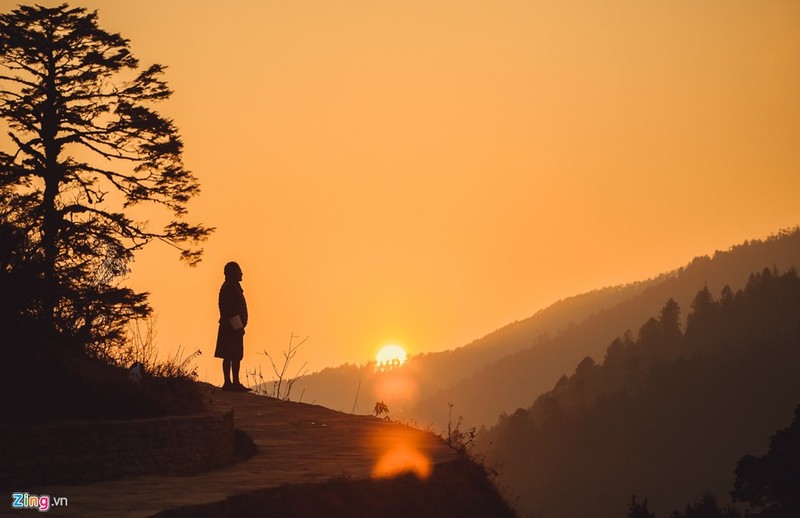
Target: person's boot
[239, 387]
[235, 375]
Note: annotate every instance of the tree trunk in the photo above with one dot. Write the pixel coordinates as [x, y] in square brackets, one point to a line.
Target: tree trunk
[50, 252]
[53, 176]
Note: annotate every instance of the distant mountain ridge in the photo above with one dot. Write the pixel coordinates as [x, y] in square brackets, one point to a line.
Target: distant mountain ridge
[510, 367]
[517, 379]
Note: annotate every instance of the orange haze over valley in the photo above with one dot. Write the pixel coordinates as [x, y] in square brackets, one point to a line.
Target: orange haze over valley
[421, 173]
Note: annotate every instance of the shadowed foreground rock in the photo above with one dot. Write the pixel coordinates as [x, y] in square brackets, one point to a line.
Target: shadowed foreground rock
[456, 488]
[306, 460]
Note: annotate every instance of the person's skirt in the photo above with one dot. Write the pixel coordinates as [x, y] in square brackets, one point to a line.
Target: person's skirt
[230, 344]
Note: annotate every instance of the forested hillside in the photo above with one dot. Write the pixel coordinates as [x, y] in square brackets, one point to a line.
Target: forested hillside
[515, 380]
[667, 414]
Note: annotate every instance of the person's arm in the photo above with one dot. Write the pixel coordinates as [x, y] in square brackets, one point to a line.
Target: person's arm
[229, 305]
[243, 310]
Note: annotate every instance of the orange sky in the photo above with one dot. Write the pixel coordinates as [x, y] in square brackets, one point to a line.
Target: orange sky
[423, 172]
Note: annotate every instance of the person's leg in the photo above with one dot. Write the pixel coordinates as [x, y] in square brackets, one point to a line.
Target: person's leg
[235, 365]
[226, 369]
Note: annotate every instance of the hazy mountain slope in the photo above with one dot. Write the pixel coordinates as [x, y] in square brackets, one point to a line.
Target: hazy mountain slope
[516, 380]
[667, 416]
[337, 387]
[509, 367]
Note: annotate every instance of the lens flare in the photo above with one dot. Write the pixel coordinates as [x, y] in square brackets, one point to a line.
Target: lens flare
[400, 450]
[396, 389]
[402, 459]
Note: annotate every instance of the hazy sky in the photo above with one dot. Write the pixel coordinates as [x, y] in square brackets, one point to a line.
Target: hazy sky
[423, 172]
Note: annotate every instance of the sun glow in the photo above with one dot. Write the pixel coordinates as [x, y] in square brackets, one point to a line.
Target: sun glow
[391, 355]
[395, 384]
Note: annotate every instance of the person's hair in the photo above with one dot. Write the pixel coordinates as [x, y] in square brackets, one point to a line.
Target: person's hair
[231, 268]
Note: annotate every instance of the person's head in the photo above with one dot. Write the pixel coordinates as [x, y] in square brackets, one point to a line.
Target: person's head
[233, 272]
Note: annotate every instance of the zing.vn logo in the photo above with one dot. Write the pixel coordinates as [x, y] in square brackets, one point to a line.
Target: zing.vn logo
[40, 503]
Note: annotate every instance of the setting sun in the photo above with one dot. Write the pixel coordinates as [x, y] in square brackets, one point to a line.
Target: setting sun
[390, 353]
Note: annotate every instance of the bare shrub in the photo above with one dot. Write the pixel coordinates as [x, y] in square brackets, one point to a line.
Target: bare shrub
[140, 346]
[280, 387]
[458, 439]
[381, 408]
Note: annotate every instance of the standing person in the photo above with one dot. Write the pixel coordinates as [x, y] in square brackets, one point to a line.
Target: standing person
[232, 322]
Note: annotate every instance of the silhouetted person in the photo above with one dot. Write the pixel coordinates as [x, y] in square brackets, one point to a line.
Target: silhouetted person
[232, 322]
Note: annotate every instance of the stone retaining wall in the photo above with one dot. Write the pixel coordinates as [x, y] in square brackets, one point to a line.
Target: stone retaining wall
[79, 452]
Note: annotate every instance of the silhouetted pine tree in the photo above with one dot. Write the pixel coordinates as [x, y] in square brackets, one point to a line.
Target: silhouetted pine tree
[640, 509]
[772, 482]
[707, 507]
[87, 145]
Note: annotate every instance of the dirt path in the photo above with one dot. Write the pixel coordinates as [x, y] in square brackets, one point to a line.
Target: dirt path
[297, 443]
